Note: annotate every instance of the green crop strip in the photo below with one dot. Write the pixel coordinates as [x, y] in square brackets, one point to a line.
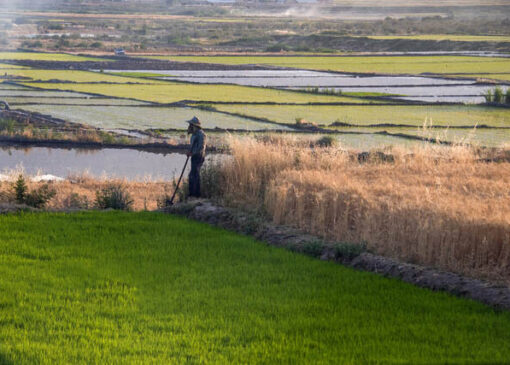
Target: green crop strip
[76, 76]
[445, 115]
[151, 288]
[170, 92]
[46, 57]
[372, 64]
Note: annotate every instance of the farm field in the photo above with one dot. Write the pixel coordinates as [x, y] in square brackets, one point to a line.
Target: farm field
[72, 100]
[46, 57]
[132, 117]
[444, 115]
[171, 92]
[76, 76]
[367, 64]
[157, 288]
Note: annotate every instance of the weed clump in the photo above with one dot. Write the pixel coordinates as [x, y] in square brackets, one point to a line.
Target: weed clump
[113, 196]
[37, 198]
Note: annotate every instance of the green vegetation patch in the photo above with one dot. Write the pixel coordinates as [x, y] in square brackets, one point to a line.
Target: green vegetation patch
[170, 92]
[46, 57]
[132, 117]
[8, 66]
[75, 76]
[367, 64]
[445, 115]
[151, 288]
[72, 101]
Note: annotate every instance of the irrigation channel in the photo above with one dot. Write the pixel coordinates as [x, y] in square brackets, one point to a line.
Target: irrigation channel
[129, 164]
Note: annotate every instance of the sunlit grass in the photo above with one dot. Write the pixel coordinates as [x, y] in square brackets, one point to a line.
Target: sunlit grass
[75, 76]
[152, 288]
[445, 115]
[45, 57]
[169, 92]
[375, 64]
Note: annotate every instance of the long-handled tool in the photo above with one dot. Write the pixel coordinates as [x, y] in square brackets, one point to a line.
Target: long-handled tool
[171, 202]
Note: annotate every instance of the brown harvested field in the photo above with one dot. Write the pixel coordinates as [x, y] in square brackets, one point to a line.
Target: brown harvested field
[440, 207]
[98, 16]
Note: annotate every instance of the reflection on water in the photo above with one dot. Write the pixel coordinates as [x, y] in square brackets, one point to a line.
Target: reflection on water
[120, 163]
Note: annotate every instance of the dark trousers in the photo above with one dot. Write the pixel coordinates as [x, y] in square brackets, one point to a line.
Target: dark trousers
[194, 176]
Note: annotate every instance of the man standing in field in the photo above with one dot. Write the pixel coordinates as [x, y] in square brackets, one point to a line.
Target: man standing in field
[197, 154]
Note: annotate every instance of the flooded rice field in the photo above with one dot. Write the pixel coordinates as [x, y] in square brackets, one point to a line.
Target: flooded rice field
[132, 117]
[116, 163]
[458, 93]
[417, 88]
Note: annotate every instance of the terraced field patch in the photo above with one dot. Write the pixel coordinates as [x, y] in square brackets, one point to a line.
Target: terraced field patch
[445, 115]
[72, 100]
[367, 64]
[147, 287]
[46, 57]
[132, 117]
[34, 93]
[171, 92]
[76, 76]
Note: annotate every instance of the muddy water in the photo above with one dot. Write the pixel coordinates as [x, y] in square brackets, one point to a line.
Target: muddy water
[119, 163]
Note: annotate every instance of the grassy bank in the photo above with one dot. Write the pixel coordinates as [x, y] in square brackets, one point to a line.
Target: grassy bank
[440, 206]
[147, 287]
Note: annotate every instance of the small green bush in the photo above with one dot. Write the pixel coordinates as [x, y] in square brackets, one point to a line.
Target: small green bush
[488, 96]
[313, 248]
[348, 251]
[498, 95]
[326, 141]
[114, 196]
[37, 198]
[507, 96]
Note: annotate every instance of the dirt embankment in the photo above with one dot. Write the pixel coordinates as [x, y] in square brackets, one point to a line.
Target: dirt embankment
[127, 63]
[495, 295]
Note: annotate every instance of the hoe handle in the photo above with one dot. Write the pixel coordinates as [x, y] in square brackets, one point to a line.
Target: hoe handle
[179, 182]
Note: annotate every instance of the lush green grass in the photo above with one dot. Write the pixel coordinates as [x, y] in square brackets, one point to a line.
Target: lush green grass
[45, 57]
[76, 76]
[505, 77]
[446, 115]
[392, 65]
[152, 288]
[169, 92]
[9, 66]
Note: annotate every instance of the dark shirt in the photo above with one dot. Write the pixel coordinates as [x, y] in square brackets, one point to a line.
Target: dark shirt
[198, 143]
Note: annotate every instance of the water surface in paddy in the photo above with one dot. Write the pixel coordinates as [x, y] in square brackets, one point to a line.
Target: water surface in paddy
[118, 163]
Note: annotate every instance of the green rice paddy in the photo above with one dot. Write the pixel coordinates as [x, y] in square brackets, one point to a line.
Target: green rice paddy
[170, 92]
[46, 57]
[367, 64]
[132, 117]
[151, 288]
[76, 76]
[445, 115]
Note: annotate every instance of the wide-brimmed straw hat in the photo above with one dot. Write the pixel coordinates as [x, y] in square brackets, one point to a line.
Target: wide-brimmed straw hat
[195, 122]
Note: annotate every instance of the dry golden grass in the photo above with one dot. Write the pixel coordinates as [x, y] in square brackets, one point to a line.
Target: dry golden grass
[80, 191]
[435, 206]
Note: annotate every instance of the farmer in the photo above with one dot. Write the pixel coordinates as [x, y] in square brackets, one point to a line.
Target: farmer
[197, 154]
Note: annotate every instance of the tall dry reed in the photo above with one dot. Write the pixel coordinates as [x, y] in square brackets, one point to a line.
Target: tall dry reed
[439, 206]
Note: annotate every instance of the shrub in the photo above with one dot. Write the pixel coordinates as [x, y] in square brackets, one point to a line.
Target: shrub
[348, 251]
[326, 141]
[113, 196]
[37, 198]
[20, 189]
[313, 248]
[40, 197]
[76, 201]
[507, 96]
[488, 96]
[498, 95]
